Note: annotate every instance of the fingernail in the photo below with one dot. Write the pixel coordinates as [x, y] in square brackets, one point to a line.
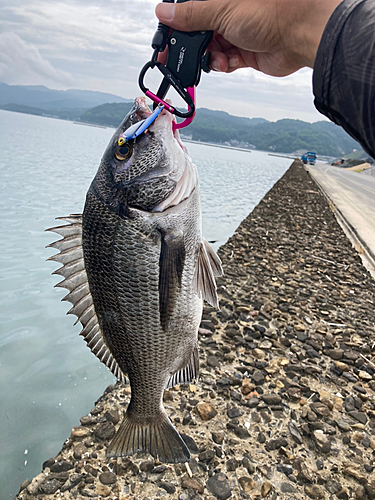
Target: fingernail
[215, 66]
[165, 11]
[233, 62]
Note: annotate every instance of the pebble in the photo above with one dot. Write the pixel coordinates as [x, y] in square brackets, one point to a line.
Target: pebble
[168, 487]
[103, 490]
[271, 399]
[206, 411]
[247, 483]
[353, 471]
[247, 386]
[322, 442]
[88, 420]
[50, 486]
[107, 478]
[219, 486]
[112, 415]
[234, 413]
[343, 425]
[275, 444]
[258, 377]
[335, 353]
[265, 488]
[364, 375]
[359, 416]
[287, 488]
[314, 491]
[192, 482]
[213, 361]
[105, 431]
[284, 469]
[79, 432]
[218, 437]
[61, 466]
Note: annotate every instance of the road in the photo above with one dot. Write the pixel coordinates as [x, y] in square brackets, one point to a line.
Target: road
[354, 196]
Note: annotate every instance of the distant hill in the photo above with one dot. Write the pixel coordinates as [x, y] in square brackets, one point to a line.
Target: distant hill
[64, 114]
[283, 136]
[38, 96]
[110, 115]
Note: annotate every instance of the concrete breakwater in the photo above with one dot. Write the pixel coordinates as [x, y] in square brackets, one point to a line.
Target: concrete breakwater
[285, 403]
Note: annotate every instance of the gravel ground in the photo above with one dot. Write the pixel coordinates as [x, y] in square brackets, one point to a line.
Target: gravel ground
[369, 171]
[285, 403]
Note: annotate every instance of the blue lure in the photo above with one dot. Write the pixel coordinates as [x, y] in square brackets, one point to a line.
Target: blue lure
[138, 128]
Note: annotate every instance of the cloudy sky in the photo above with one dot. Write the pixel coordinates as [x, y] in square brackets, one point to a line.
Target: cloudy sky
[103, 44]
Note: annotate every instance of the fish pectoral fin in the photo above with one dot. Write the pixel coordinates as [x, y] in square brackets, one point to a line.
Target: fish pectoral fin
[157, 436]
[208, 266]
[188, 373]
[171, 264]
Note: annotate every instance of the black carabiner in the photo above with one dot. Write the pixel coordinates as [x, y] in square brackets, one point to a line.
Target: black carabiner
[168, 80]
[186, 59]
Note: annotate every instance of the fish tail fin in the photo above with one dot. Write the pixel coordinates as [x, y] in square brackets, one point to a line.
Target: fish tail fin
[157, 436]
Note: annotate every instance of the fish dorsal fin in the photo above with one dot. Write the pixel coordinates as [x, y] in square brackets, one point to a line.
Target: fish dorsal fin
[76, 282]
[188, 373]
[208, 266]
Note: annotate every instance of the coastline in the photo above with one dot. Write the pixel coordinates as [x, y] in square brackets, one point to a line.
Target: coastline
[287, 375]
[213, 144]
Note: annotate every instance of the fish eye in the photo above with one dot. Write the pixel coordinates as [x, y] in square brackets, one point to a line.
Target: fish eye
[123, 152]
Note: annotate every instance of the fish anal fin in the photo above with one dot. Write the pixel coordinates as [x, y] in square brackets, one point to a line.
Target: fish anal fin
[171, 264]
[188, 373]
[156, 436]
[204, 283]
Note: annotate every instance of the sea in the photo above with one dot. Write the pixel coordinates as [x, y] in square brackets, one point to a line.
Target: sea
[48, 377]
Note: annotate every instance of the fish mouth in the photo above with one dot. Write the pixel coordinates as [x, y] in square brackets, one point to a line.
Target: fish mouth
[143, 111]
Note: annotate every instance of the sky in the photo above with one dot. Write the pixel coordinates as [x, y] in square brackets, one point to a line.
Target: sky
[103, 44]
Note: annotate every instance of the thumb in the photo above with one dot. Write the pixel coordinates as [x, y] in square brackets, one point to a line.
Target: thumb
[188, 16]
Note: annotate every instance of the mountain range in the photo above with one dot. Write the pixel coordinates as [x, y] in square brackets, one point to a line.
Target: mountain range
[38, 96]
[284, 136]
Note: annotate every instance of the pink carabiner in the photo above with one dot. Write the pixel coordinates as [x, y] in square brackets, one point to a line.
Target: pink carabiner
[187, 121]
[157, 99]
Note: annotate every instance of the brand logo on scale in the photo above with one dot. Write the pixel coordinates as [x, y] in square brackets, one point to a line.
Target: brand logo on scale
[181, 56]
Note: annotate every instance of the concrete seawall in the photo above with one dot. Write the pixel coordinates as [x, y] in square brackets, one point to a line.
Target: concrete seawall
[285, 403]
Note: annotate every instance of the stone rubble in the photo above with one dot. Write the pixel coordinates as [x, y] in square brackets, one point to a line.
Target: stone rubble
[285, 403]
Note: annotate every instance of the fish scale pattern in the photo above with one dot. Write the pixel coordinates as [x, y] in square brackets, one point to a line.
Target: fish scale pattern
[147, 195]
[139, 292]
[122, 263]
[150, 158]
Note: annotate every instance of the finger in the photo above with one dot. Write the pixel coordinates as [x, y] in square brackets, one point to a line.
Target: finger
[189, 16]
[215, 46]
[248, 59]
[219, 61]
[235, 60]
[224, 43]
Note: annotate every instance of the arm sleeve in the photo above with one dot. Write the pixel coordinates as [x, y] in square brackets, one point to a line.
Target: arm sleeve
[344, 71]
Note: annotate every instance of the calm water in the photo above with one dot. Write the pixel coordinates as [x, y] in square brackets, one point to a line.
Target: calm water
[49, 378]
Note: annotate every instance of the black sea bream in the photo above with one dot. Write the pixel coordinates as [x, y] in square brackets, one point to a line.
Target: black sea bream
[137, 268]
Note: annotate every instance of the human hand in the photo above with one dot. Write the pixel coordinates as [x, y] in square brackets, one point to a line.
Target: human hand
[277, 37]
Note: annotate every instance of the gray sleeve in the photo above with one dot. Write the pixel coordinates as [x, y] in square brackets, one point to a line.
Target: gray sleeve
[344, 71]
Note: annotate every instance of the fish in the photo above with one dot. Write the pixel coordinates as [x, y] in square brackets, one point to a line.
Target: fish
[137, 270]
